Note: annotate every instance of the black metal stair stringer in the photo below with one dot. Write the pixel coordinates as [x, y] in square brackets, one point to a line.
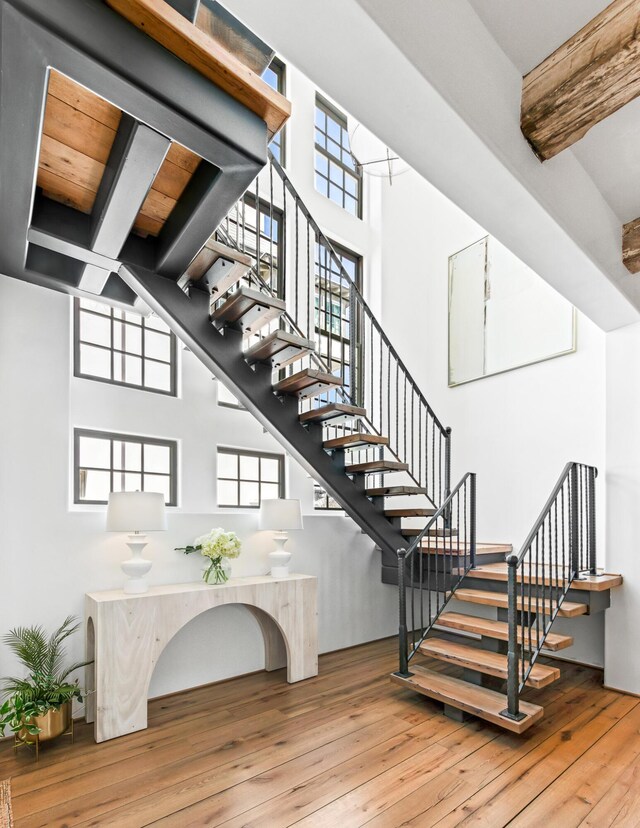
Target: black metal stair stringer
[188, 318]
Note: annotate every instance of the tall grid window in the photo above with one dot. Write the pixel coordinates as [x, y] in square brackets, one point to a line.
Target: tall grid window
[124, 348]
[259, 231]
[336, 173]
[107, 462]
[332, 308]
[245, 477]
[275, 76]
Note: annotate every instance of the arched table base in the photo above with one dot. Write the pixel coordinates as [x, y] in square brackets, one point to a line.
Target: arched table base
[127, 633]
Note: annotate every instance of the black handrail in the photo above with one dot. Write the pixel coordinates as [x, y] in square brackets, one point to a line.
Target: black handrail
[560, 546]
[326, 305]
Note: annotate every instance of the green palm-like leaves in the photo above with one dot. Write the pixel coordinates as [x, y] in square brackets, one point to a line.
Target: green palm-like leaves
[46, 685]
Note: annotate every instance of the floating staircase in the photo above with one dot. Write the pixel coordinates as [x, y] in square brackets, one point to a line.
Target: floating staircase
[305, 354]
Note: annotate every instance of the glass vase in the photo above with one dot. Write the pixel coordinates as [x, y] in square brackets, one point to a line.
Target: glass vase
[217, 571]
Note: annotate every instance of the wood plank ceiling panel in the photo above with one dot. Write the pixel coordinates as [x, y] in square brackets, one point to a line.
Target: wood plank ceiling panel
[78, 133]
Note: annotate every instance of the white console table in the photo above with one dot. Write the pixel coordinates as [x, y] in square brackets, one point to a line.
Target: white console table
[127, 633]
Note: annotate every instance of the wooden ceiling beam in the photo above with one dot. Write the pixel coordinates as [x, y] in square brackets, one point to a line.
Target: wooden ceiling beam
[631, 246]
[593, 74]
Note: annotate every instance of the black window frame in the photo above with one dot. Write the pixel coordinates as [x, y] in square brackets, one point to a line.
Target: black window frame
[77, 342]
[279, 68]
[114, 436]
[276, 215]
[355, 171]
[327, 497]
[267, 455]
[357, 259]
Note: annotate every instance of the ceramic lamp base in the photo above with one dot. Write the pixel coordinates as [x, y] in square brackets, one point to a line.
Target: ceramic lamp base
[279, 558]
[137, 566]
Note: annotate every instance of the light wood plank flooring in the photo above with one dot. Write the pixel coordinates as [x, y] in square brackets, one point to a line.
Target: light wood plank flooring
[347, 748]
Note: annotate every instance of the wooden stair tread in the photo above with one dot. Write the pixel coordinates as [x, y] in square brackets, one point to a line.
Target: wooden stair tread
[499, 630]
[220, 266]
[569, 609]
[432, 533]
[587, 583]
[400, 513]
[355, 441]
[484, 661]
[431, 548]
[250, 309]
[377, 466]
[479, 701]
[334, 412]
[394, 491]
[307, 383]
[280, 348]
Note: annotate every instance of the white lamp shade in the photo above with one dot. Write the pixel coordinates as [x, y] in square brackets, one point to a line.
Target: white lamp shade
[280, 515]
[136, 512]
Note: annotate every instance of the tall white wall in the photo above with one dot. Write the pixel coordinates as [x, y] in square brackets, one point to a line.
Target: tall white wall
[622, 667]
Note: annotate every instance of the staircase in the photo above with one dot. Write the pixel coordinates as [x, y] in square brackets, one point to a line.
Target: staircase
[304, 353]
[554, 575]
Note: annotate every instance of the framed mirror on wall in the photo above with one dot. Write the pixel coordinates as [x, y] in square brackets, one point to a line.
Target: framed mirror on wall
[502, 315]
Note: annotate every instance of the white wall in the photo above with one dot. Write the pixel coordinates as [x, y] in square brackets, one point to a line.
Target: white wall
[52, 552]
[622, 666]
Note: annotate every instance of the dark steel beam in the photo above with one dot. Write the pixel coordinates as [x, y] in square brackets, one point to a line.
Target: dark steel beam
[188, 317]
[135, 158]
[68, 231]
[203, 205]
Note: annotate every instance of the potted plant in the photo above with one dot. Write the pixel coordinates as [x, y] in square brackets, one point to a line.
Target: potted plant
[218, 546]
[38, 707]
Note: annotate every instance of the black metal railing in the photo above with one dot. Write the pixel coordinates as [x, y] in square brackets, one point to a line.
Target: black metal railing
[560, 547]
[433, 566]
[296, 262]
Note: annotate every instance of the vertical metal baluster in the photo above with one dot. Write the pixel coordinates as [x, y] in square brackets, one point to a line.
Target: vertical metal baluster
[574, 523]
[472, 521]
[396, 444]
[403, 669]
[592, 521]
[513, 701]
[379, 424]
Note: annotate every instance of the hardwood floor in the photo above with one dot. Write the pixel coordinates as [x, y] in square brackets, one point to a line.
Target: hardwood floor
[347, 748]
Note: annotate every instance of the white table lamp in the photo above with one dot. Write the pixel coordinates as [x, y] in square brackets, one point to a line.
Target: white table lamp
[134, 513]
[280, 517]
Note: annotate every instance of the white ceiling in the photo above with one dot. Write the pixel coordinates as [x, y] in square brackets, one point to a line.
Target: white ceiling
[527, 32]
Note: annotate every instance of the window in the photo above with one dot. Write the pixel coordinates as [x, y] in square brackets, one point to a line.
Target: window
[124, 348]
[227, 399]
[323, 500]
[332, 308]
[245, 477]
[105, 462]
[336, 173]
[275, 76]
[267, 245]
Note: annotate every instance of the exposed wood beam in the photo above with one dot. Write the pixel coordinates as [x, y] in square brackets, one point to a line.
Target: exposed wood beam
[169, 28]
[631, 246]
[589, 77]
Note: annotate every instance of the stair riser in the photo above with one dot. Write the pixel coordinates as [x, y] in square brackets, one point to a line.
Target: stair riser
[596, 601]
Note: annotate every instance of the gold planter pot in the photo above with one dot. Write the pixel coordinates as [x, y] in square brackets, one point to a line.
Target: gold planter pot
[53, 724]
